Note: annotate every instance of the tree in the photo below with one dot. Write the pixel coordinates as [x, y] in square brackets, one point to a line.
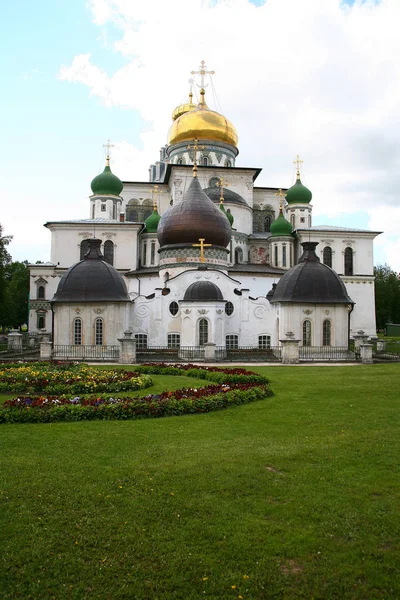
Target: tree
[387, 296]
[5, 259]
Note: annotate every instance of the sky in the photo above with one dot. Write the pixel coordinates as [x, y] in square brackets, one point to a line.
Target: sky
[317, 78]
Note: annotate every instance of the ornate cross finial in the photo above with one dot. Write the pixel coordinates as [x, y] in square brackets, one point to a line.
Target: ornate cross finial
[298, 162]
[202, 71]
[221, 184]
[281, 196]
[195, 149]
[201, 245]
[108, 146]
[155, 191]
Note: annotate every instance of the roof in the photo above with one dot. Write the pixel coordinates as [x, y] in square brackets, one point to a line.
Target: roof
[170, 166]
[266, 269]
[203, 291]
[335, 228]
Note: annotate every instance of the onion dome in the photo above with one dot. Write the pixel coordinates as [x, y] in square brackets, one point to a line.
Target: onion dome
[281, 226]
[92, 280]
[151, 223]
[184, 108]
[202, 124]
[298, 193]
[310, 282]
[194, 218]
[106, 184]
[203, 291]
[214, 193]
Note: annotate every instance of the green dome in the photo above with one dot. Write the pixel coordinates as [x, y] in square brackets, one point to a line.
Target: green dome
[106, 184]
[298, 193]
[281, 226]
[230, 216]
[152, 221]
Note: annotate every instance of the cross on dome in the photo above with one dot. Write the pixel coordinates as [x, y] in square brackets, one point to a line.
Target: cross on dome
[221, 184]
[297, 161]
[202, 71]
[108, 146]
[195, 148]
[281, 195]
[155, 191]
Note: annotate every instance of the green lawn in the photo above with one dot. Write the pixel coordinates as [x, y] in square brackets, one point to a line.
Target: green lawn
[296, 496]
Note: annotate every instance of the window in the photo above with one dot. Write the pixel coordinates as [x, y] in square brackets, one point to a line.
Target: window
[77, 332]
[348, 261]
[41, 322]
[264, 341]
[98, 332]
[309, 220]
[141, 341]
[174, 308]
[276, 255]
[103, 207]
[93, 210]
[267, 223]
[84, 249]
[174, 340]
[180, 162]
[144, 254]
[146, 214]
[302, 219]
[327, 256]
[229, 308]
[292, 218]
[109, 252]
[205, 161]
[114, 211]
[40, 292]
[283, 256]
[153, 253]
[307, 333]
[203, 332]
[232, 342]
[228, 163]
[326, 333]
[238, 255]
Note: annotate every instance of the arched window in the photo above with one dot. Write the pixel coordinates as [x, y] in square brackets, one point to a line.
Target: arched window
[292, 220]
[78, 332]
[228, 163]
[203, 332]
[306, 333]
[40, 292]
[205, 161]
[326, 333]
[84, 249]
[276, 256]
[327, 256]
[348, 261]
[238, 255]
[180, 162]
[144, 258]
[309, 220]
[283, 256]
[98, 332]
[232, 342]
[174, 340]
[131, 211]
[267, 223]
[41, 322]
[152, 253]
[109, 252]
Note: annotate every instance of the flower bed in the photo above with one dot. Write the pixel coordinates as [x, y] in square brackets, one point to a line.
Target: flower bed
[237, 386]
[80, 379]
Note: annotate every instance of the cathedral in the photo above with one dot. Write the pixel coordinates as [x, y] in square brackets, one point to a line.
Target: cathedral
[201, 255]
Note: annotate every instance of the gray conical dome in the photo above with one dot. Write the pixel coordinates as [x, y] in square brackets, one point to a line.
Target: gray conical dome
[92, 280]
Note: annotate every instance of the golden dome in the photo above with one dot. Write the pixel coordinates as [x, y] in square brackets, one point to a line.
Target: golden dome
[203, 124]
[184, 108]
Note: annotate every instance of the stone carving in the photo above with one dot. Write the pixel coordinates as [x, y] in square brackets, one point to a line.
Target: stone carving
[259, 312]
[98, 311]
[308, 311]
[202, 311]
[219, 311]
[77, 310]
[187, 311]
[327, 312]
[142, 311]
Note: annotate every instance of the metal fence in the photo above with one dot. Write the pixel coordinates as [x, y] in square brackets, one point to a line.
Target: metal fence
[157, 354]
[326, 353]
[27, 346]
[86, 352]
[254, 354]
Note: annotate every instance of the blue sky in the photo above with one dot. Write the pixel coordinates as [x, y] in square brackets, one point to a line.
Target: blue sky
[56, 121]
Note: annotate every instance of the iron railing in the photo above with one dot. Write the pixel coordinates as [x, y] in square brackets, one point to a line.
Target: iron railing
[85, 352]
[157, 354]
[326, 353]
[254, 354]
[28, 345]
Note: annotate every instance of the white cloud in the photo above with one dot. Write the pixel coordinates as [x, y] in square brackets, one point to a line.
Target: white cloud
[318, 78]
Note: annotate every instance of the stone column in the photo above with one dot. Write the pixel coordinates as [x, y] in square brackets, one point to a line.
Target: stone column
[127, 355]
[380, 345]
[209, 352]
[15, 341]
[366, 353]
[360, 338]
[46, 348]
[290, 350]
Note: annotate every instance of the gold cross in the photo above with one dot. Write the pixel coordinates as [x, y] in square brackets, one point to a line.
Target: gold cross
[195, 148]
[221, 184]
[108, 146]
[202, 245]
[202, 71]
[281, 196]
[155, 191]
[298, 162]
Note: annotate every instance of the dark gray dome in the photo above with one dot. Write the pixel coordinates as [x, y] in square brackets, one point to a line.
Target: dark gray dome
[194, 218]
[310, 282]
[92, 280]
[203, 291]
[214, 193]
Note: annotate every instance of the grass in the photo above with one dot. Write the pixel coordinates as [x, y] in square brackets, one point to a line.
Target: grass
[293, 497]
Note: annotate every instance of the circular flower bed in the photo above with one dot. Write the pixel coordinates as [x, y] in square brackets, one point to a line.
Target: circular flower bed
[230, 387]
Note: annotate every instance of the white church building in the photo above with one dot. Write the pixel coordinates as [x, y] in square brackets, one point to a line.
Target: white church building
[207, 257]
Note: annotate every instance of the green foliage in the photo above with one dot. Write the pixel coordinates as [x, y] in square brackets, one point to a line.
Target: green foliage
[5, 259]
[387, 296]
